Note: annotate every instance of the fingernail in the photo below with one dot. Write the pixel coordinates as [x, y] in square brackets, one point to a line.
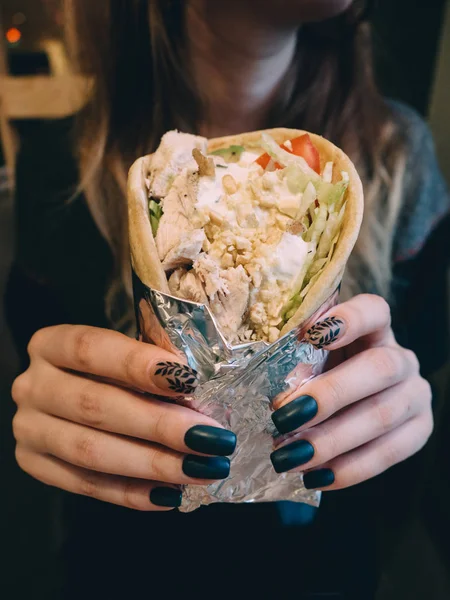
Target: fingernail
[175, 377]
[295, 414]
[325, 332]
[318, 479]
[166, 496]
[292, 456]
[204, 467]
[210, 440]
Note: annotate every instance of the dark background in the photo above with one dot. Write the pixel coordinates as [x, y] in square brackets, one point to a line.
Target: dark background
[407, 41]
[407, 35]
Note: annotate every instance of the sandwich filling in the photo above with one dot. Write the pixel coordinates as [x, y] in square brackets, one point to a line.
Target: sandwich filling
[245, 233]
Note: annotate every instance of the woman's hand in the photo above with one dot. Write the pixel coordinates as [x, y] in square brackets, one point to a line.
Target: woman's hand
[369, 411]
[83, 424]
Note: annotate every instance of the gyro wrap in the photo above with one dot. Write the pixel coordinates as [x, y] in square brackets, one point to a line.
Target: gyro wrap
[243, 360]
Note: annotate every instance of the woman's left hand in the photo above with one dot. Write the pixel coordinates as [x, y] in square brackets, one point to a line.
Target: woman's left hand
[369, 411]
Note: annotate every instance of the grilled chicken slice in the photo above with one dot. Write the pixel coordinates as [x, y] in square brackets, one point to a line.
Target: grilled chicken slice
[210, 275]
[172, 156]
[178, 214]
[187, 285]
[230, 307]
[186, 251]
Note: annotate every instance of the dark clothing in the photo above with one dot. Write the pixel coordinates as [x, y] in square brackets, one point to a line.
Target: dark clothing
[61, 275]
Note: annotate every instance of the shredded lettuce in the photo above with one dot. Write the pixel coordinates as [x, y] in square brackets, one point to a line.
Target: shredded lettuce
[327, 174]
[156, 212]
[321, 212]
[286, 158]
[331, 193]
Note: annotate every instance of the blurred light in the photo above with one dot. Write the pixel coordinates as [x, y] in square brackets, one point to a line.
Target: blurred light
[19, 19]
[13, 35]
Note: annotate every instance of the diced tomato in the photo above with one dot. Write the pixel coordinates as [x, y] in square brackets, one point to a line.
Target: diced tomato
[303, 146]
[263, 160]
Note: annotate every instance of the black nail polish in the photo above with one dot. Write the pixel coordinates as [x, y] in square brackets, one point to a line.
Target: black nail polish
[292, 456]
[295, 414]
[318, 479]
[204, 467]
[210, 440]
[166, 496]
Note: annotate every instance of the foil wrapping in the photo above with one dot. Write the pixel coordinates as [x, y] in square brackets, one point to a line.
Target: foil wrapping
[237, 387]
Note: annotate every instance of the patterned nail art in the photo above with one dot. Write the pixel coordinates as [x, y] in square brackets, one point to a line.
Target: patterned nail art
[178, 378]
[325, 332]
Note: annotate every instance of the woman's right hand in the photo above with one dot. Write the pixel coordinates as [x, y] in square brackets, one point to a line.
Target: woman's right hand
[84, 425]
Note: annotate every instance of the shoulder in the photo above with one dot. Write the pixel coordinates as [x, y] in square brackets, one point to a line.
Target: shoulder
[425, 196]
[412, 123]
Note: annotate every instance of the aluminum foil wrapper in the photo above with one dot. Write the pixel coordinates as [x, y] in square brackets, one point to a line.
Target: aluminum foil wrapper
[237, 385]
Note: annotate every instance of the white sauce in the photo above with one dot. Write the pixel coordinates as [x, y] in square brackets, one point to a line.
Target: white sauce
[247, 158]
[240, 174]
[210, 192]
[288, 258]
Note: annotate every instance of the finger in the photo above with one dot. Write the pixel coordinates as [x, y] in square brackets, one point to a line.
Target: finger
[373, 458]
[113, 454]
[114, 356]
[363, 375]
[131, 493]
[365, 316]
[114, 409]
[353, 427]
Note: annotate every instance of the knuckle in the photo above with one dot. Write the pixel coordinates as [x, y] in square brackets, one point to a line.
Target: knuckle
[161, 426]
[131, 495]
[90, 486]
[380, 306]
[387, 413]
[429, 425]
[21, 388]
[387, 362]
[84, 343]
[349, 470]
[426, 391]
[392, 455]
[133, 364]
[85, 451]
[155, 462]
[37, 341]
[90, 406]
[383, 308]
[22, 458]
[330, 394]
[20, 427]
[412, 359]
[328, 447]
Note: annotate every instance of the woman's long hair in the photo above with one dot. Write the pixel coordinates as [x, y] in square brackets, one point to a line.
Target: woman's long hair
[135, 49]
